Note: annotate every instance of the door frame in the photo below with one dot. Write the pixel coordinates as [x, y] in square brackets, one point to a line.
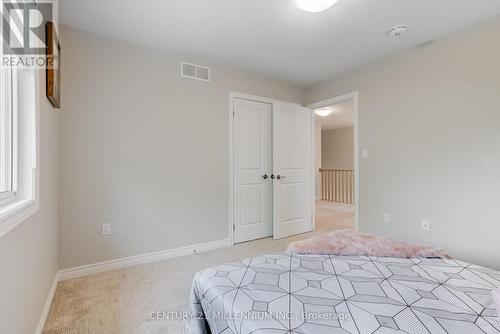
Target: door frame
[232, 96]
[335, 100]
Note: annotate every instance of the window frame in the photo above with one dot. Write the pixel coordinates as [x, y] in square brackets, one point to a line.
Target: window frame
[8, 82]
[17, 205]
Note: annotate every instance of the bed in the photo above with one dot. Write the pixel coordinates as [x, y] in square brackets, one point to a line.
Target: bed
[316, 294]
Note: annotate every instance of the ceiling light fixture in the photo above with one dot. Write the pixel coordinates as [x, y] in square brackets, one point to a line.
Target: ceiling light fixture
[324, 112]
[315, 6]
[397, 31]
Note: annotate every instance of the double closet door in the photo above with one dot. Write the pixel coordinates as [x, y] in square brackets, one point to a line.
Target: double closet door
[273, 169]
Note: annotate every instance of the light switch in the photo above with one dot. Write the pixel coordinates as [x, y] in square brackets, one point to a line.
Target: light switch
[387, 218]
[364, 154]
[106, 229]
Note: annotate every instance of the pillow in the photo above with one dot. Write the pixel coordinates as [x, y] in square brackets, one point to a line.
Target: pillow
[496, 298]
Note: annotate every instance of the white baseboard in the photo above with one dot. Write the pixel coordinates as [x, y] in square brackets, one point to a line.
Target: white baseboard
[46, 307]
[100, 267]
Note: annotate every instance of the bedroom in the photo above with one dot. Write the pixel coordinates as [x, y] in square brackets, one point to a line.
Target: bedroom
[130, 196]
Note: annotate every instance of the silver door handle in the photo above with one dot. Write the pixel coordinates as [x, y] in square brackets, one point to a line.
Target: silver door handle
[265, 177]
[279, 177]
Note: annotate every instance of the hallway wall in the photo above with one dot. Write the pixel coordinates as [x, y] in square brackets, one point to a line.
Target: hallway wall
[337, 148]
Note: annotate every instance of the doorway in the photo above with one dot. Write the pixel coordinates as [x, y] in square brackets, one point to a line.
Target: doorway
[271, 168]
[336, 163]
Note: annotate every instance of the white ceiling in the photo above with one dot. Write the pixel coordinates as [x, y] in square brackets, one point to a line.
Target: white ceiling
[273, 37]
[342, 117]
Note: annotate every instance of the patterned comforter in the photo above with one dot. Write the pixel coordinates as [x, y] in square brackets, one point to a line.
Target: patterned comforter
[315, 294]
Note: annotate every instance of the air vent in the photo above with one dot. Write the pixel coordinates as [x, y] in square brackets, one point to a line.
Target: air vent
[193, 71]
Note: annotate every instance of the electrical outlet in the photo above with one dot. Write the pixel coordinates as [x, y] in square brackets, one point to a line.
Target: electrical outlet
[426, 225]
[106, 229]
[387, 218]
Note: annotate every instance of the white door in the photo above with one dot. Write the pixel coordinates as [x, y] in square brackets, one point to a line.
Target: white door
[293, 169]
[252, 170]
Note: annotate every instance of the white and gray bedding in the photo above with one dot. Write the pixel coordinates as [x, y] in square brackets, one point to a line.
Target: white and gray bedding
[315, 294]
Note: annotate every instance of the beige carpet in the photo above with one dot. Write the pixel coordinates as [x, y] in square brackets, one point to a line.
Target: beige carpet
[121, 301]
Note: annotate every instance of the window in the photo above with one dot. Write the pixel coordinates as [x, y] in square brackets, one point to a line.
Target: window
[7, 135]
[18, 147]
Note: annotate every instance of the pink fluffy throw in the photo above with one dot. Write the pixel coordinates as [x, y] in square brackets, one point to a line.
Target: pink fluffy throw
[352, 243]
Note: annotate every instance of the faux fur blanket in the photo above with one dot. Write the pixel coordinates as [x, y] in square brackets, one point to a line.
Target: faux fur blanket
[350, 243]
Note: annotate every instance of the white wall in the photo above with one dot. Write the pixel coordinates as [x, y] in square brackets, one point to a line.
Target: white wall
[337, 148]
[430, 119]
[28, 254]
[143, 149]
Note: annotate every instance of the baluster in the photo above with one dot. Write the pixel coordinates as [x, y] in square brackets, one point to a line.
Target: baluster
[352, 187]
[322, 184]
[337, 183]
[348, 195]
[325, 176]
[339, 188]
[343, 186]
[347, 186]
[334, 184]
[326, 185]
[330, 176]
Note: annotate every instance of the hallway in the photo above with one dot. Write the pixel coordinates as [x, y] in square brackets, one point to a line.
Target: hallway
[334, 216]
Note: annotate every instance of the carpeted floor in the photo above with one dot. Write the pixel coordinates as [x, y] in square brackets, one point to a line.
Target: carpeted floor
[121, 301]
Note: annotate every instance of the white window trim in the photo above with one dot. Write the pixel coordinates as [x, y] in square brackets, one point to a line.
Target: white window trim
[6, 197]
[9, 196]
[16, 210]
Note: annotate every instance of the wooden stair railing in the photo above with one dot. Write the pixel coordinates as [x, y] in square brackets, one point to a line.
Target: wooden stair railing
[337, 185]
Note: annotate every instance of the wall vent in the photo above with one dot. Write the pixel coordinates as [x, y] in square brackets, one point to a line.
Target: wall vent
[193, 71]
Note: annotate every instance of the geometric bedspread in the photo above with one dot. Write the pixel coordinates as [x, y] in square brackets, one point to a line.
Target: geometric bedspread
[322, 294]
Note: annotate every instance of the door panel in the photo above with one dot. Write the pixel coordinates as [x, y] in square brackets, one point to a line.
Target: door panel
[293, 199]
[293, 167]
[251, 199]
[252, 160]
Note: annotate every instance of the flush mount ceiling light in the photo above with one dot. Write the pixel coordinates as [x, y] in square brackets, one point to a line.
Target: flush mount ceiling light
[397, 31]
[315, 6]
[324, 112]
